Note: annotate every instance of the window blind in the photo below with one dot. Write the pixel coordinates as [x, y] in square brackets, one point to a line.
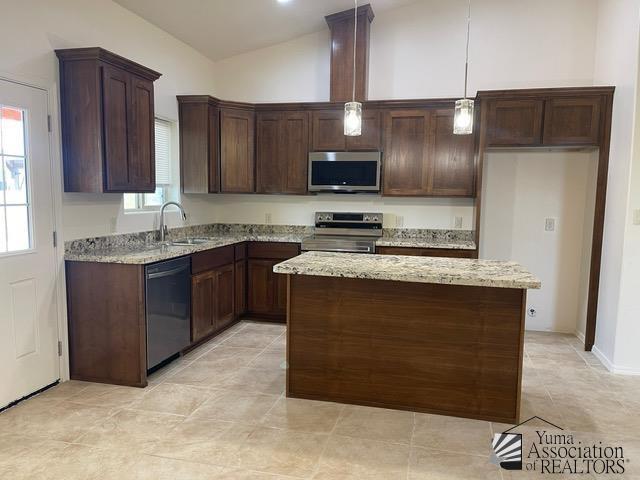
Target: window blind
[163, 152]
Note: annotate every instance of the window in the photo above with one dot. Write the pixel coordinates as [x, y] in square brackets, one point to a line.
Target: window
[150, 201]
[15, 207]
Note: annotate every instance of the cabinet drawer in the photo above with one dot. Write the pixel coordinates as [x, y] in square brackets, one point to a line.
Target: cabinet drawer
[273, 250]
[240, 251]
[425, 252]
[210, 259]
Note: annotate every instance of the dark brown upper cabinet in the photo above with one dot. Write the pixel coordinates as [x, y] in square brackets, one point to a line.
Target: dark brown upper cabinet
[452, 158]
[406, 153]
[515, 123]
[572, 121]
[282, 148]
[328, 132]
[107, 108]
[237, 155]
[198, 121]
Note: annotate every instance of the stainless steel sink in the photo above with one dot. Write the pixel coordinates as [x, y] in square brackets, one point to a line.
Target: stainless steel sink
[185, 242]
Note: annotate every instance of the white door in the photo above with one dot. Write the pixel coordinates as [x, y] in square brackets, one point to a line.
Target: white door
[28, 322]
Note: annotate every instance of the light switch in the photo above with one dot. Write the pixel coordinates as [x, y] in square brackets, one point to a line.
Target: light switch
[636, 216]
[549, 224]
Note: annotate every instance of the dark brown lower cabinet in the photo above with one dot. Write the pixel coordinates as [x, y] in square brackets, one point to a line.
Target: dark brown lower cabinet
[241, 287]
[212, 301]
[267, 291]
[426, 252]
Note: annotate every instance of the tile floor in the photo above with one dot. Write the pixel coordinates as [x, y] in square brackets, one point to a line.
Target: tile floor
[219, 413]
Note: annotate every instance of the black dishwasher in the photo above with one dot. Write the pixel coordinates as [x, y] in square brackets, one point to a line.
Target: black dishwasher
[168, 302]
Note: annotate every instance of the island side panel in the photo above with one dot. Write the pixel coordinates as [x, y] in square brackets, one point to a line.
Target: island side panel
[107, 332]
[445, 349]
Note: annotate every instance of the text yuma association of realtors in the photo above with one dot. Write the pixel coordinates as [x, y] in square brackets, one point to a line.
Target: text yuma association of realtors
[554, 453]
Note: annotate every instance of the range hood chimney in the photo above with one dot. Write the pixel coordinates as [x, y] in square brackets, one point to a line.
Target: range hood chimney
[341, 25]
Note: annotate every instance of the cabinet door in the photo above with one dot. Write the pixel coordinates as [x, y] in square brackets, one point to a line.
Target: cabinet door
[260, 286]
[269, 164]
[241, 287]
[572, 121]
[237, 151]
[371, 133]
[213, 142]
[224, 296]
[142, 165]
[406, 153]
[198, 147]
[328, 131]
[451, 159]
[514, 122]
[294, 151]
[202, 305]
[116, 96]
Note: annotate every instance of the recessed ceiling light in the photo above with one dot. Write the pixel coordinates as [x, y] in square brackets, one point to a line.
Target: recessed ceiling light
[284, 1]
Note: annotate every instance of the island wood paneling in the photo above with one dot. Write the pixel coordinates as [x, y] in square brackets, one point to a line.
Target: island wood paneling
[445, 349]
[427, 252]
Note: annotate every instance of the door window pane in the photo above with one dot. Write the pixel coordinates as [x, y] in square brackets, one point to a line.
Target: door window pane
[15, 218]
[18, 235]
[15, 181]
[12, 126]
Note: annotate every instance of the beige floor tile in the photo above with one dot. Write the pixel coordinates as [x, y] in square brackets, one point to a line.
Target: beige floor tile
[103, 395]
[394, 426]
[241, 474]
[21, 455]
[203, 440]
[347, 458]
[437, 465]
[131, 430]
[605, 418]
[237, 406]
[223, 353]
[281, 452]
[264, 327]
[452, 434]
[303, 415]
[205, 374]
[172, 398]
[65, 390]
[257, 380]
[56, 420]
[158, 468]
[270, 359]
[251, 339]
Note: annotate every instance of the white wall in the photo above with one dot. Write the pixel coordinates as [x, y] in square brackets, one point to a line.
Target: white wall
[417, 51]
[521, 190]
[32, 29]
[616, 63]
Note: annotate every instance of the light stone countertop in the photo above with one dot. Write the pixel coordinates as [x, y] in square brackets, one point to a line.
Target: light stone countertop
[413, 242]
[401, 268]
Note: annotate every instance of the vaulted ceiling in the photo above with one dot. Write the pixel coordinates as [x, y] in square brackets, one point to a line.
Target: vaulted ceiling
[223, 28]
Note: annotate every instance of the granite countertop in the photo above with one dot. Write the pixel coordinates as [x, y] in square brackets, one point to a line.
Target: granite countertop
[451, 271]
[416, 242]
[137, 255]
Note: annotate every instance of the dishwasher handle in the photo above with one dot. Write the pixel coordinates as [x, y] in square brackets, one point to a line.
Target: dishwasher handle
[167, 273]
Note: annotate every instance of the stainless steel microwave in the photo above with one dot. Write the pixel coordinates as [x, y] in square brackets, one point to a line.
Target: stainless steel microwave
[344, 172]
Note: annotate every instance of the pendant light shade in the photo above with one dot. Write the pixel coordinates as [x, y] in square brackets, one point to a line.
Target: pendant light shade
[353, 119]
[353, 109]
[463, 117]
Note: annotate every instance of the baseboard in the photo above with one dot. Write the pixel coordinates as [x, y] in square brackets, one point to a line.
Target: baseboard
[613, 368]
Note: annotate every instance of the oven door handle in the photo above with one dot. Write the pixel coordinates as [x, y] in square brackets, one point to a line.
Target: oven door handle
[345, 250]
[167, 273]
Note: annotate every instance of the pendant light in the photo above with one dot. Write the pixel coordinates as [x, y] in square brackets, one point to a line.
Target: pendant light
[463, 117]
[353, 109]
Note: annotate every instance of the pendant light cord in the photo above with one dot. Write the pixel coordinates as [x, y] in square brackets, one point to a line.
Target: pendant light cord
[466, 61]
[355, 33]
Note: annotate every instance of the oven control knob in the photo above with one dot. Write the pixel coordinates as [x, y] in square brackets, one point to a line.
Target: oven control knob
[366, 218]
[375, 219]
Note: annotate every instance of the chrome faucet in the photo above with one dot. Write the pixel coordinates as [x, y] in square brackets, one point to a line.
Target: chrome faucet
[163, 226]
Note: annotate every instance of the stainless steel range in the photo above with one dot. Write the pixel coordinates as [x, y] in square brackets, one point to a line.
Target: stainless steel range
[344, 232]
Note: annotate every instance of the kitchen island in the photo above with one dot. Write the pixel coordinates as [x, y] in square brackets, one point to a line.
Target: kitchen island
[436, 335]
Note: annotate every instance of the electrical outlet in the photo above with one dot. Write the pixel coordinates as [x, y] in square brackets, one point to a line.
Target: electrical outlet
[549, 224]
[532, 312]
[267, 218]
[457, 222]
[399, 221]
[636, 217]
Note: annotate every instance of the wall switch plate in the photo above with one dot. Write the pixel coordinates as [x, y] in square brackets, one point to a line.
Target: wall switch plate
[399, 221]
[636, 216]
[267, 218]
[549, 224]
[457, 222]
